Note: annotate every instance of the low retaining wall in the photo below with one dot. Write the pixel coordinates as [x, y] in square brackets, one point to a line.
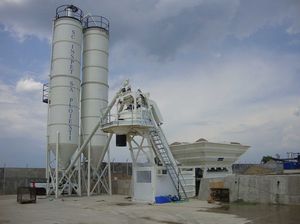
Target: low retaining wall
[12, 178]
[120, 186]
[276, 189]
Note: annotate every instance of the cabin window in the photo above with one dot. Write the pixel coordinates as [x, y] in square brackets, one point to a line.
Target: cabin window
[143, 176]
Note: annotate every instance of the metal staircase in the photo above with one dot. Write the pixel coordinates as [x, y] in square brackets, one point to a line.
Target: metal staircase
[162, 149]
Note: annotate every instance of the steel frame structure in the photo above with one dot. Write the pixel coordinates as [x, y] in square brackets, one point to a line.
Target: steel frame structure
[58, 180]
[83, 177]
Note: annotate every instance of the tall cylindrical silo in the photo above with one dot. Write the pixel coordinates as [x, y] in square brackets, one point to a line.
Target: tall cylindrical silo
[64, 89]
[94, 87]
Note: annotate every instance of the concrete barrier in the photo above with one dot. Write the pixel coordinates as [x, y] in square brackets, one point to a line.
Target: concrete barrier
[276, 189]
[12, 178]
[120, 186]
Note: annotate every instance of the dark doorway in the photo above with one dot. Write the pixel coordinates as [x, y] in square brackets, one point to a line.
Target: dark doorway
[220, 194]
[198, 177]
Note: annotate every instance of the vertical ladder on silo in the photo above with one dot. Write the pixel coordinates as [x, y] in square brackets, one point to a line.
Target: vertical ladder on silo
[162, 151]
[45, 97]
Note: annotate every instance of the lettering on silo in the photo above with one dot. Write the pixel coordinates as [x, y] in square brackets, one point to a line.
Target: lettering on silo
[72, 58]
[70, 118]
[72, 52]
[71, 89]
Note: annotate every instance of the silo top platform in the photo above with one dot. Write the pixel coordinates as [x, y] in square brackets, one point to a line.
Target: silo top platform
[96, 22]
[69, 11]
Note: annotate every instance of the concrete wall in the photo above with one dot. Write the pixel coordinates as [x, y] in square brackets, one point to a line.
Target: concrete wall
[120, 186]
[12, 178]
[277, 189]
[121, 178]
[271, 167]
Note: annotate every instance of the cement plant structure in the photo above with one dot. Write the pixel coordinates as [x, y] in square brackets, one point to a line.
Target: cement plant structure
[78, 159]
[76, 37]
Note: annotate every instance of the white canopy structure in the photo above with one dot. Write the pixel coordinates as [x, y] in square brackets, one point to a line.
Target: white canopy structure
[215, 159]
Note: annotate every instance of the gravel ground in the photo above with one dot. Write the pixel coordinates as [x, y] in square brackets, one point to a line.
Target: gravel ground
[109, 210]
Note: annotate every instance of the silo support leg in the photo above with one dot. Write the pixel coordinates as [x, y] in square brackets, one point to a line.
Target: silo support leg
[56, 167]
[89, 171]
[109, 173]
[79, 177]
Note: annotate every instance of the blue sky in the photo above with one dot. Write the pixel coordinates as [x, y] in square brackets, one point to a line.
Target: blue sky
[221, 70]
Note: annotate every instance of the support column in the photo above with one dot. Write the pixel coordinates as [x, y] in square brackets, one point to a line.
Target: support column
[79, 177]
[47, 167]
[56, 167]
[204, 172]
[229, 168]
[109, 172]
[89, 170]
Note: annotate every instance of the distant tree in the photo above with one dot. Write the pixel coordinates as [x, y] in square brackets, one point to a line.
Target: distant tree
[266, 159]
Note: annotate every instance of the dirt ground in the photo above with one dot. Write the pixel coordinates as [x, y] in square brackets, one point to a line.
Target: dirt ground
[109, 210]
[262, 213]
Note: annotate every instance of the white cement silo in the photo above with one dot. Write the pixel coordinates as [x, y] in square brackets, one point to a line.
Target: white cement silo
[94, 88]
[64, 90]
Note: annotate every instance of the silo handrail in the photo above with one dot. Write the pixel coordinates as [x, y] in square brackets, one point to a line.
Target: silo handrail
[96, 21]
[61, 11]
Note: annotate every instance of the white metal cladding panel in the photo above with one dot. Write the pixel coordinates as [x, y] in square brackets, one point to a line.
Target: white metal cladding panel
[94, 88]
[61, 97]
[207, 153]
[95, 38]
[64, 81]
[88, 122]
[65, 87]
[96, 151]
[60, 48]
[93, 73]
[62, 67]
[95, 58]
[64, 29]
[88, 106]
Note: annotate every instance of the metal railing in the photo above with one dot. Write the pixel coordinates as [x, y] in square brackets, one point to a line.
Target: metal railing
[69, 11]
[96, 21]
[139, 117]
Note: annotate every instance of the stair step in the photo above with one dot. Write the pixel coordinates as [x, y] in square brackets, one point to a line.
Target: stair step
[162, 150]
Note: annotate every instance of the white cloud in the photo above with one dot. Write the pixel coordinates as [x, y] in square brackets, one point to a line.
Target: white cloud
[252, 16]
[297, 112]
[22, 127]
[291, 133]
[3, 2]
[6, 94]
[27, 18]
[240, 97]
[28, 85]
[160, 27]
[21, 112]
[171, 8]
